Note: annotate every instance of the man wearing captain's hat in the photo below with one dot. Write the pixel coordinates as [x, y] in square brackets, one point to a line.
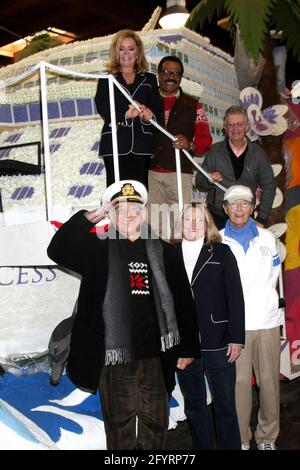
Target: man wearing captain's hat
[125, 197]
[135, 321]
[125, 191]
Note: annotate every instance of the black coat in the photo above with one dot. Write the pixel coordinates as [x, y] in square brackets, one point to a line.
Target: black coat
[75, 248]
[218, 297]
[133, 135]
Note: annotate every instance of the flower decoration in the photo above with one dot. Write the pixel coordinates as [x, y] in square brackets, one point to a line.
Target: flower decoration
[269, 121]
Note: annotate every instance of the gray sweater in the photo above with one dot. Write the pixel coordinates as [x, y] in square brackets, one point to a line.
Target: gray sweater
[257, 172]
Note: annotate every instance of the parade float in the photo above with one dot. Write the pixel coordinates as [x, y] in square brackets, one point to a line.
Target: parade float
[46, 176]
[49, 169]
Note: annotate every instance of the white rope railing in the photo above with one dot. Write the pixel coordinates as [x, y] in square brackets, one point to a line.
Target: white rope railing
[13, 80]
[42, 67]
[168, 134]
[45, 130]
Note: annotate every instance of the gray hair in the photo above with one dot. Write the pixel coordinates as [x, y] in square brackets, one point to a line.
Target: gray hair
[235, 109]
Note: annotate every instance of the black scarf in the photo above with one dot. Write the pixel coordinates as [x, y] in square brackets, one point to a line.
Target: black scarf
[117, 303]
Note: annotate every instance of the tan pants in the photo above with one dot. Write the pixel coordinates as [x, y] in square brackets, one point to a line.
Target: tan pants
[163, 200]
[261, 354]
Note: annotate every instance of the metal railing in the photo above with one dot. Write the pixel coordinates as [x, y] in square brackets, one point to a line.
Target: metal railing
[41, 67]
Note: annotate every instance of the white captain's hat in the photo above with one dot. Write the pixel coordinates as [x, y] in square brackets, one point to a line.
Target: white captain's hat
[125, 191]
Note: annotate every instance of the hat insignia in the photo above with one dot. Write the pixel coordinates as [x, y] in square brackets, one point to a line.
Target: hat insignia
[128, 190]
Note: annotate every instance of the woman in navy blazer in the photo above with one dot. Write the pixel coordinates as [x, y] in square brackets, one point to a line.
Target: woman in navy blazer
[134, 132]
[214, 277]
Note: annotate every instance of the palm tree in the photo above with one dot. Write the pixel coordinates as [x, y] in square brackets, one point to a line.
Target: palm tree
[255, 19]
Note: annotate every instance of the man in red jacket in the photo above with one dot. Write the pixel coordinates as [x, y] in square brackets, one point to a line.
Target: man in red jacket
[184, 117]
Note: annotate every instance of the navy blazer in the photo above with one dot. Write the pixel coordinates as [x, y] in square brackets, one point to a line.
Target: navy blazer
[133, 135]
[75, 248]
[218, 296]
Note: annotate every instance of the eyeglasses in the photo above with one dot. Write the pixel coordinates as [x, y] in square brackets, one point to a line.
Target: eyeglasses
[239, 125]
[243, 204]
[168, 73]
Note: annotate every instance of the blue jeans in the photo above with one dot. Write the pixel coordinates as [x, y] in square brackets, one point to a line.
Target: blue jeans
[221, 376]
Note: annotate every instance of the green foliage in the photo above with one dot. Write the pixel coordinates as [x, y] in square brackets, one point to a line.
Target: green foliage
[295, 6]
[254, 18]
[39, 43]
[287, 19]
[205, 10]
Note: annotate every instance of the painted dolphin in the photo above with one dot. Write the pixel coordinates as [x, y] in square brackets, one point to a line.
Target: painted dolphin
[59, 346]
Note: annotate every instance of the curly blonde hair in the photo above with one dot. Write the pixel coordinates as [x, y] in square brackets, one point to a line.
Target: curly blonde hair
[113, 65]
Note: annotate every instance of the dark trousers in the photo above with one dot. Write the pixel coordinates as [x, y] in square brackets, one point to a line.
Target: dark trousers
[131, 392]
[131, 167]
[221, 376]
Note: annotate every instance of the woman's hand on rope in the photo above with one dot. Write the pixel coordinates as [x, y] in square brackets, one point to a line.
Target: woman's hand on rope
[132, 112]
[146, 113]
